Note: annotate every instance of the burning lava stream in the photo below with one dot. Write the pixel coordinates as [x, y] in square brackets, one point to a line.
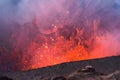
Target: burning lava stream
[53, 32]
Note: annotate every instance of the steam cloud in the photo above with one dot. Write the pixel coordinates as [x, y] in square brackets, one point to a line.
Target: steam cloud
[99, 16]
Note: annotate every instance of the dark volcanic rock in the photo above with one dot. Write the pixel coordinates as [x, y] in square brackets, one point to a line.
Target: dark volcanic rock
[101, 69]
[59, 78]
[5, 78]
[88, 73]
[114, 76]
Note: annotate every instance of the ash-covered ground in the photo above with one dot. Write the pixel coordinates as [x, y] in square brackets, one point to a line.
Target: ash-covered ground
[97, 69]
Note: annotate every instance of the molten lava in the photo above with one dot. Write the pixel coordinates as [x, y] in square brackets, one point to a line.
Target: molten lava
[53, 46]
[58, 45]
[62, 31]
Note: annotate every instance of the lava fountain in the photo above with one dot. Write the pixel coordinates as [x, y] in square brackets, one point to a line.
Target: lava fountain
[49, 32]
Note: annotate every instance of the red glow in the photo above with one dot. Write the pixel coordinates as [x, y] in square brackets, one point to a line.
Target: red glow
[61, 44]
[38, 48]
[62, 31]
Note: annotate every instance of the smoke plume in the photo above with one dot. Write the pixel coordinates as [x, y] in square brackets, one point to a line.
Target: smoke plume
[40, 33]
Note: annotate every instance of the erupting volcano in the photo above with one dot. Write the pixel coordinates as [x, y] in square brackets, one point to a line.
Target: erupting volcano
[40, 33]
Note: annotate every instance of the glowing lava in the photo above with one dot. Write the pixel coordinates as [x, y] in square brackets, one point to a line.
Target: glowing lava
[60, 44]
[40, 33]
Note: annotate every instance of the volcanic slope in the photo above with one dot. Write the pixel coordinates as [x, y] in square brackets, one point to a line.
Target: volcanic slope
[98, 69]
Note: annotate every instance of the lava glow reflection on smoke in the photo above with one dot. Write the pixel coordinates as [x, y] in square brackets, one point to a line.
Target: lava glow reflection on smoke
[40, 33]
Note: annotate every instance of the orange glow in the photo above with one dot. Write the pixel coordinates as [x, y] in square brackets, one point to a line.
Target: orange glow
[59, 44]
[40, 33]
[59, 48]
